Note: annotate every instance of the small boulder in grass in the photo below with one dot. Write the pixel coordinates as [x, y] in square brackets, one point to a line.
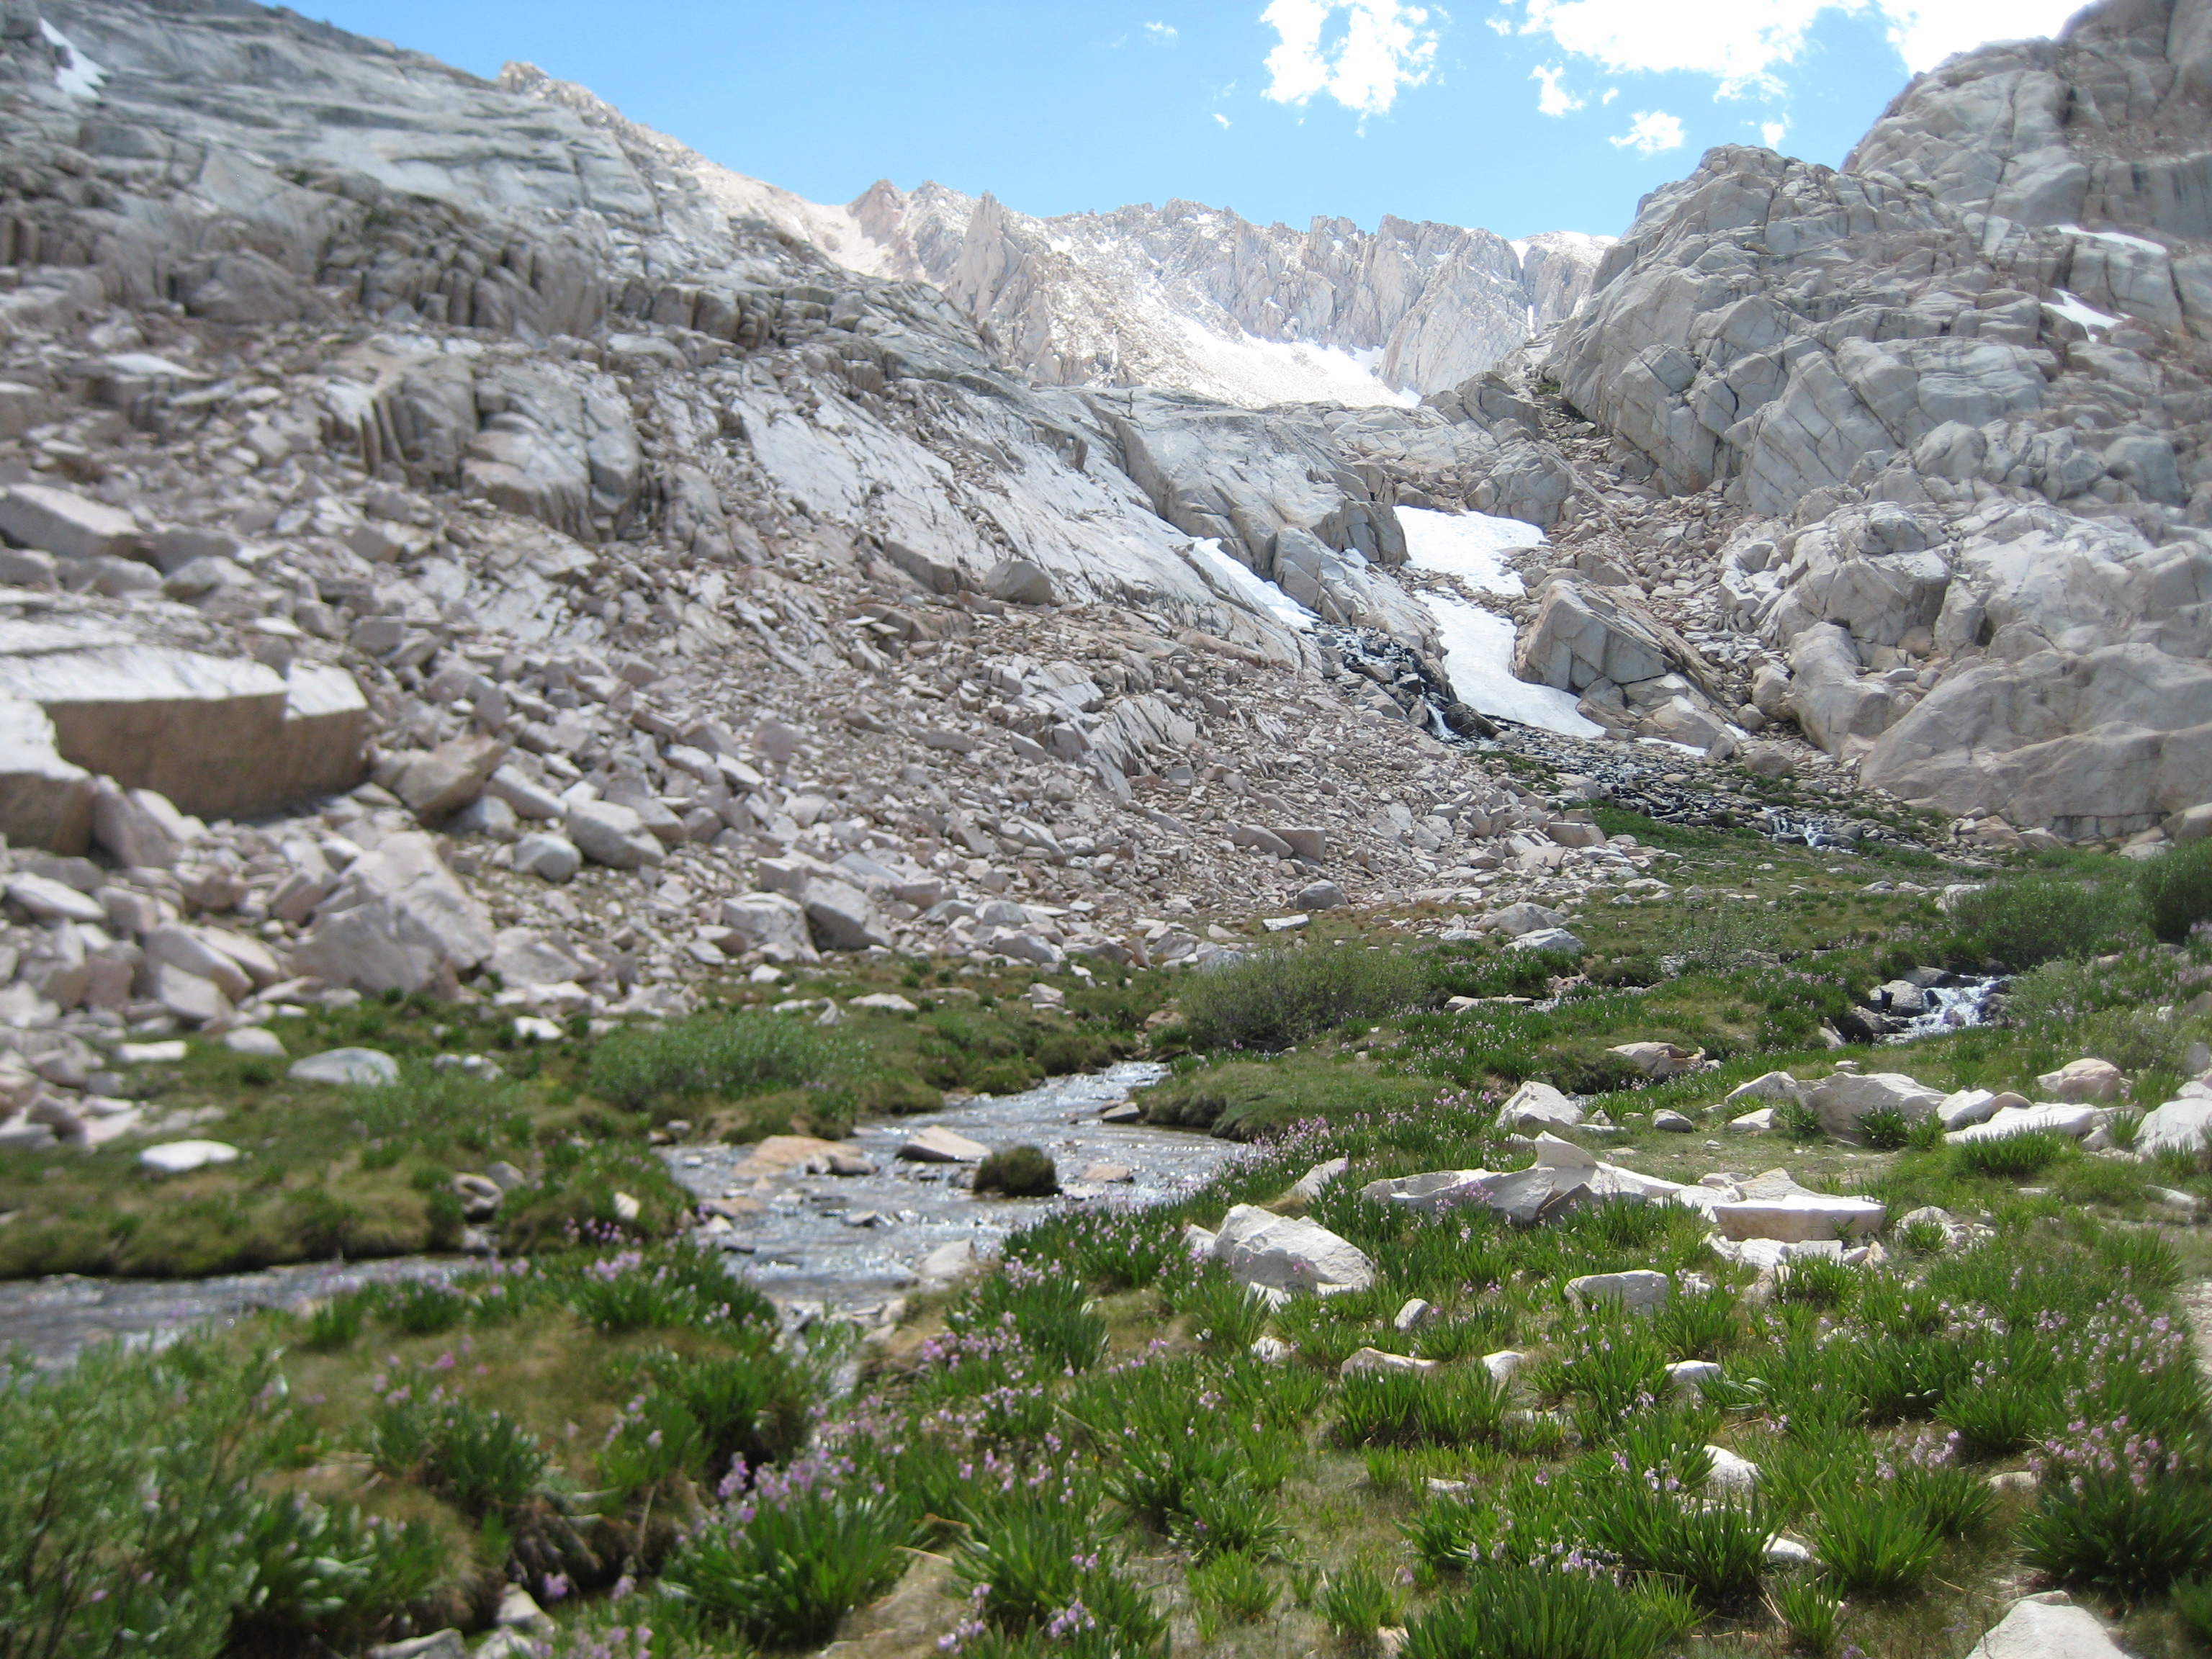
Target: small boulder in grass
[1018, 1172]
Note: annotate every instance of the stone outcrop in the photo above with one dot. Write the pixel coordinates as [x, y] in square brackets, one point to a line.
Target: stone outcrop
[1956, 398]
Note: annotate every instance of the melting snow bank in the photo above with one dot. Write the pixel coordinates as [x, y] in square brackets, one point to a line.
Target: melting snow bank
[1479, 643]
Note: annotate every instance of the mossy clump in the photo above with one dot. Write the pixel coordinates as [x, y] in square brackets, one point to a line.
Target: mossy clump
[1018, 1172]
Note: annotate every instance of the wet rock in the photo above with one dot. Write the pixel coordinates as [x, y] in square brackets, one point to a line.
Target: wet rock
[941, 1145]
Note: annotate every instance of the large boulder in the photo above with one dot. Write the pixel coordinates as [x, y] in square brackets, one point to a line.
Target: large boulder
[1583, 634]
[1289, 1253]
[438, 782]
[397, 920]
[1842, 1098]
[772, 923]
[1535, 1107]
[67, 525]
[220, 737]
[2178, 1126]
[44, 801]
[842, 916]
[2047, 1627]
[610, 834]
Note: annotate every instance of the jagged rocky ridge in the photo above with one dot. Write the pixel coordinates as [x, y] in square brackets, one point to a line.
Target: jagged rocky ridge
[1946, 412]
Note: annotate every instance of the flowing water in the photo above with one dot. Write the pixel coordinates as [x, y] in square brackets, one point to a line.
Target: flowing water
[852, 1241]
[838, 1243]
[1950, 1008]
[50, 1318]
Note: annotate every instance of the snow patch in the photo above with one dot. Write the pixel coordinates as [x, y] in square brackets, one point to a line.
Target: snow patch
[1256, 373]
[1235, 582]
[2077, 310]
[1479, 643]
[2117, 239]
[1471, 546]
[77, 74]
[1479, 662]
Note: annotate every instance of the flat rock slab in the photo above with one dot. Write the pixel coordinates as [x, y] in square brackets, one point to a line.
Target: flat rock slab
[1640, 1290]
[2072, 1121]
[2038, 1629]
[1289, 1253]
[357, 1067]
[1798, 1217]
[183, 1156]
[943, 1146]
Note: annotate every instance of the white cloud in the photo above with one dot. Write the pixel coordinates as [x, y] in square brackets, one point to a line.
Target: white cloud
[1611, 93]
[1926, 32]
[1741, 43]
[1380, 47]
[1219, 117]
[1649, 132]
[1554, 100]
[1772, 133]
[1160, 34]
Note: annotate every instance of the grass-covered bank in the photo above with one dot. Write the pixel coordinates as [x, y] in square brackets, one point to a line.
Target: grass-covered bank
[1087, 1454]
[1098, 1445]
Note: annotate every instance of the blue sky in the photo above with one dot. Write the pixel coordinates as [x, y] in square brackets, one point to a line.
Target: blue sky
[1520, 115]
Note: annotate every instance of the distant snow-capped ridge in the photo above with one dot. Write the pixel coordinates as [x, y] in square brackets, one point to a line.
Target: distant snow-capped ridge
[1186, 298]
[1197, 299]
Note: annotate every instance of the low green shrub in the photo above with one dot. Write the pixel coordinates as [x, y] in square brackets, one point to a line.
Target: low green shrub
[2031, 919]
[1510, 1612]
[783, 1562]
[1814, 1617]
[1050, 1312]
[2177, 890]
[1359, 1599]
[485, 1460]
[2011, 1157]
[724, 1056]
[1456, 1406]
[1017, 1172]
[1220, 1313]
[2129, 1532]
[1276, 998]
[1232, 1587]
[2192, 1604]
[1716, 1549]
[1871, 1544]
[1886, 1130]
[1229, 1517]
[576, 1199]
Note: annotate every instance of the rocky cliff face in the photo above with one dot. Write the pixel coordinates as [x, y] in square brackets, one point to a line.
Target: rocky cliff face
[1196, 299]
[1950, 405]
